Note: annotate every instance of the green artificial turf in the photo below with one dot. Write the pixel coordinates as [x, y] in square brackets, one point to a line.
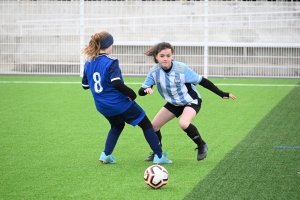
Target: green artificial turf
[257, 168]
[52, 136]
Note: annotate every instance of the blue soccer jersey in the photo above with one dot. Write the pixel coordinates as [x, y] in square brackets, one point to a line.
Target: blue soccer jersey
[176, 86]
[98, 75]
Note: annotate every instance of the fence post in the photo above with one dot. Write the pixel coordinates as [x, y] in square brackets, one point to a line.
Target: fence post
[81, 36]
[205, 73]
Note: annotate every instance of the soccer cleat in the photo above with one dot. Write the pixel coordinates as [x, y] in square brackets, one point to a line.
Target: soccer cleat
[107, 159]
[202, 152]
[162, 160]
[150, 158]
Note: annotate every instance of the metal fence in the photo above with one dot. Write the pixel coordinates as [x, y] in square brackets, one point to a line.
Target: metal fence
[215, 38]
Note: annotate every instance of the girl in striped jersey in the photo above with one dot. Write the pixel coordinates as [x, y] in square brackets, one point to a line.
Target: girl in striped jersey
[176, 83]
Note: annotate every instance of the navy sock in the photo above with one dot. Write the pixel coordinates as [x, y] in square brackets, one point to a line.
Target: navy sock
[153, 141]
[111, 140]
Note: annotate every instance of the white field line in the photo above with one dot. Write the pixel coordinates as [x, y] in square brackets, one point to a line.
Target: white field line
[136, 83]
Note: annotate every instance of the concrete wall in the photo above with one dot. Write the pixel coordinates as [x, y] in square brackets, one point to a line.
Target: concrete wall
[143, 21]
[44, 34]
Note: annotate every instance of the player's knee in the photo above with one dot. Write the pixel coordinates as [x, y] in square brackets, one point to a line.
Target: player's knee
[184, 124]
[156, 127]
[145, 123]
[120, 126]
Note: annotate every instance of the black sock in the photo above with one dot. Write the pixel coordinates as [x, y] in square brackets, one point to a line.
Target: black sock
[159, 136]
[193, 133]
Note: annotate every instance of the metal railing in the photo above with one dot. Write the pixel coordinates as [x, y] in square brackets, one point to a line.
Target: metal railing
[244, 39]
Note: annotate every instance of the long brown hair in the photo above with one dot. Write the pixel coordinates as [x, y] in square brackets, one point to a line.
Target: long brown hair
[93, 49]
[157, 48]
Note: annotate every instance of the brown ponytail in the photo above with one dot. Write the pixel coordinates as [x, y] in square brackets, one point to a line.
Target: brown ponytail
[92, 50]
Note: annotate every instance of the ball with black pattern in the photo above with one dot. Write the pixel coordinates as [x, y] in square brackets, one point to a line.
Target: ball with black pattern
[156, 176]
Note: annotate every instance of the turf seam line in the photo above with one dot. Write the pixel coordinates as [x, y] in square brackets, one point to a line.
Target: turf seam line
[287, 147]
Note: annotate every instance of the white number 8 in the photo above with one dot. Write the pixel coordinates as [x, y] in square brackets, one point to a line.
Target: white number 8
[97, 86]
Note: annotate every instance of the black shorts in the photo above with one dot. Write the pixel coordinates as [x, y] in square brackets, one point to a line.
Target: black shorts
[177, 110]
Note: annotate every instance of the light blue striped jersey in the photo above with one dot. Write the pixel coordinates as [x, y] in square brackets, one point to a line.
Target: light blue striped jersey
[176, 86]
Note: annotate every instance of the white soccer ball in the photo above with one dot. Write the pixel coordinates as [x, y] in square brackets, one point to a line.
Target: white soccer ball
[156, 176]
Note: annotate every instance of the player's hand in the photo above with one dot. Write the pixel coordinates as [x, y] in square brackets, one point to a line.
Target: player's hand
[231, 96]
[149, 90]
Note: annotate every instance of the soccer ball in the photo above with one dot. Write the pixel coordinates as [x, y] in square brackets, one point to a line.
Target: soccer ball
[156, 176]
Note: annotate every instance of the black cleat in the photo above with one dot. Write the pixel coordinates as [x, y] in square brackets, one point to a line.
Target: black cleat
[150, 158]
[202, 152]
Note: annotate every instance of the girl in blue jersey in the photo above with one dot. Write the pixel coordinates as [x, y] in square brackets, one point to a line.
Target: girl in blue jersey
[176, 82]
[113, 99]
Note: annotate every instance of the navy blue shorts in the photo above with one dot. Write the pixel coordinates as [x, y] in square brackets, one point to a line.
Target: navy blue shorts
[133, 116]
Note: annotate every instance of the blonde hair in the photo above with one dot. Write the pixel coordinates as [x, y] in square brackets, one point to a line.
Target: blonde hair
[92, 50]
